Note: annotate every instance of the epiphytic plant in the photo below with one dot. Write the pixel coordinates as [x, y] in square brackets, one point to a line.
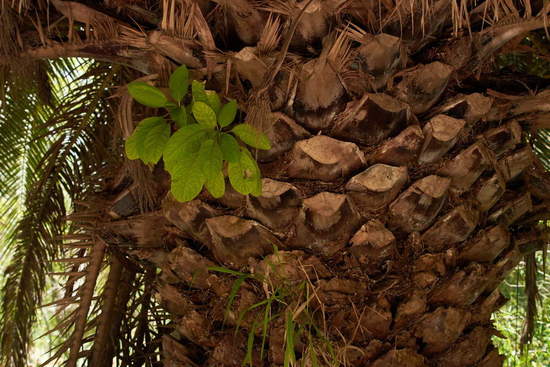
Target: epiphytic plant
[206, 143]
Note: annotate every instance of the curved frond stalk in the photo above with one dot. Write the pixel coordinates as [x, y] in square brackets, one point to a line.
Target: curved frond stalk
[117, 292]
[533, 297]
[87, 292]
[504, 34]
[541, 146]
[143, 323]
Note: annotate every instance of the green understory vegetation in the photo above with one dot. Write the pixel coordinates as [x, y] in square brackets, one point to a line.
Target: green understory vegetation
[509, 320]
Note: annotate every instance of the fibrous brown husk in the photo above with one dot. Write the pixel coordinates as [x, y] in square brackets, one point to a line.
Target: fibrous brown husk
[422, 86]
[416, 208]
[400, 357]
[468, 351]
[373, 243]
[463, 288]
[375, 187]
[325, 223]
[487, 245]
[278, 205]
[441, 133]
[401, 150]
[324, 158]
[467, 166]
[371, 119]
[452, 228]
[235, 240]
[441, 328]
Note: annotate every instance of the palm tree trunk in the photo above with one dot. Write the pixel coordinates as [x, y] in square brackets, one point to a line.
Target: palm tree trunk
[387, 220]
[390, 258]
[396, 197]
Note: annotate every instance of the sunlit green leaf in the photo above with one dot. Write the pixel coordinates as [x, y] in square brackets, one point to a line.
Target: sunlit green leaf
[251, 136]
[184, 142]
[179, 83]
[179, 115]
[190, 118]
[230, 148]
[244, 174]
[198, 92]
[216, 185]
[155, 141]
[188, 186]
[210, 158]
[204, 114]
[131, 144]
[227, 113]
[148, 140]
[214, 100]
[147, 95]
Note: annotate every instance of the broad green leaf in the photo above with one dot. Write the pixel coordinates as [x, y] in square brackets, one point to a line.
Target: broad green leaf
[130, 146]
[228, 113]
[184, 165]
[179, 83]
[204, 114]
[155, 141]
[216, 161]
[199, 94]
[195, 155]
[143, 129]
[244, 174]
[147, 95]
[210, 158]
[179, 115]
[186, 141]
[230, 148]
[148, 140]
[255, 178]
[216, 185]
[214, 100]
[190, 118]
[187, 187]
[251, 136]
[236, 176]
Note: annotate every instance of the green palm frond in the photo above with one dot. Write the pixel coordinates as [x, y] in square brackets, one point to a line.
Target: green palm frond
[541, 146]
[75, 134]
[22, 115]
[49, 153]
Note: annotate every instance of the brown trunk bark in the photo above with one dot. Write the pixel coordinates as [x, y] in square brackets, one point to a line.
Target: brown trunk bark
[398, 270]
[403, 269]
[393, 193]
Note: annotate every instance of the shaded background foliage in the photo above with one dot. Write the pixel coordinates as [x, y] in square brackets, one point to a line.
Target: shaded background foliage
[509, 320]
[529, 55]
